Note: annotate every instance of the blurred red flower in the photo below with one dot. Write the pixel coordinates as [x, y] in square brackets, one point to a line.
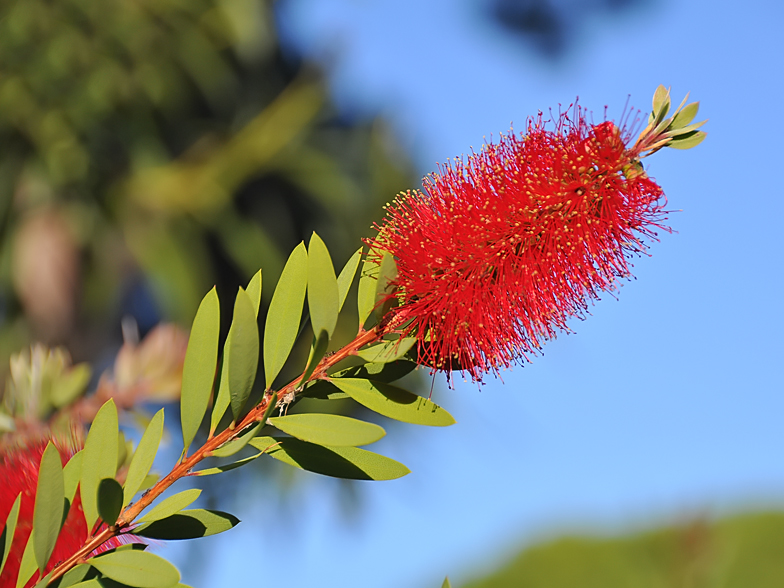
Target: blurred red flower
[500, 250]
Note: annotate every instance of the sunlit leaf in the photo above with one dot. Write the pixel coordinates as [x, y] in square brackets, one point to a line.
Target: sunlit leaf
[49, 504]
[347, 276]
[317, 352]
[328, 429]
[243, 352]
[387, 351]
[254, 291]
[688, 140]
[323, 303]
[188, 524]
[237, 444]
[170, 505]
[7, 538]
[27, 566]
[140, 569]
[340, 462]
[143, 457]
[394, 402]
[366, 295]
[685, 115]
[99, 458]
[222, 398]
[198, 371]
[285, 311]
[387, 272]
[447, 583]
[71, 473]
[227, 467]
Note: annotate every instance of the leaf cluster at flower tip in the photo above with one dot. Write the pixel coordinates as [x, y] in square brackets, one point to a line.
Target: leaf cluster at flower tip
[677, 131]
[500, 250]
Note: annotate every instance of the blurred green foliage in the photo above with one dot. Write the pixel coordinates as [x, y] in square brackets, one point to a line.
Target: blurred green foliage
[736, 552]
[152, 148]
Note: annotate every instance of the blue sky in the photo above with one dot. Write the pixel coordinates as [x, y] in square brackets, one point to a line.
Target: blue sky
[666, 402]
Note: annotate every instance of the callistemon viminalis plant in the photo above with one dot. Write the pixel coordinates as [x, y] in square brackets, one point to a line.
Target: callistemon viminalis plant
[474, 272]
[499, 251]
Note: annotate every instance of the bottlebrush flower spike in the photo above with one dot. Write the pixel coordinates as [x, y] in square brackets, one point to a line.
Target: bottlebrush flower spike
[499, 251]
[19, 474]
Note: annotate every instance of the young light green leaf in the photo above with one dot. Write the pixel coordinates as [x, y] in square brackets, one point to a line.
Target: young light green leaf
[447, 583]
[171, 505]
[27, 566]
[71, 473]
[340, 462]
[328, 429]
[317, 352]
[70, 385]
[227, 467]
[685, 115]
[49, 502]
[237, 444]
[661, 103]
[143, 457]
[140, 569]
[77, 575]
[243, 352]
[285, 311]
[7, 538]
[110, 500]
[198, 372]
[222, 399]
[687, 141]
[99, 458]
[254, 291]
[188, 524]
[387, 351]
[366, 295]
[394, 402]
[323, 295]
[347, 276]
[387, 272]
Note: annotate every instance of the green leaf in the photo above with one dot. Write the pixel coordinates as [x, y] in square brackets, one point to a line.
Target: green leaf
[237, 444]
[70, 385]
[323, 303]
[243, 352]
[285, 311]
[447, 583]
[661, 103]
[384, 287]
[77, 576]
[328, 429]
[347, 276]
[254, 291]
[7, 538]
[381, 372]
[140, 569]
[27, 566]
[387, 351]
[366, 296]
[687, 141]
[222, 400]
[71, 473]
[171, 505]
[394, 402]
[198, 371]
[99, 458]
[91, 583]
[49, 502]
[685, 116]
[340, 462]
[188, 524]
[317, 353]
[143, 457]
[110, 500]
[227, 467]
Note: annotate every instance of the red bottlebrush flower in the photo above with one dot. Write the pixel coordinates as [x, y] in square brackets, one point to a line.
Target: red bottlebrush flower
[19, 473]
[500, 250]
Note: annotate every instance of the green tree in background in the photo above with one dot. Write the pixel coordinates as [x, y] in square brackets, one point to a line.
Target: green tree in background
[159, 146]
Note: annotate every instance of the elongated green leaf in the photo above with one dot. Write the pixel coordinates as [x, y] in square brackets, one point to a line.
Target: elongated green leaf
[243, 350]
[329, 429]
[366, 295]
[317, 352]
[227, 467]
[27, 567]
[78, 576]
[171, 505]
[254, 291]
[99, 458]
[7, 538]
[387, 272]
[381, 372]
[340, 462]
[687, 141]
[198, 371]
[661, 103]
[188, 524]
[387, 351]
[685, 115]
[323, 302]
[394, 402]
[447, 583]
[140, 569]
[222, 399]
[71, 473]
[285, 311]
[49, 502]
[91, 583]
[110, 500]
[70, 385]
[237, 444]
[347, 276]
[143, 457]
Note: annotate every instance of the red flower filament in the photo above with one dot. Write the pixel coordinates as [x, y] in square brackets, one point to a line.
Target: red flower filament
[499, 251]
